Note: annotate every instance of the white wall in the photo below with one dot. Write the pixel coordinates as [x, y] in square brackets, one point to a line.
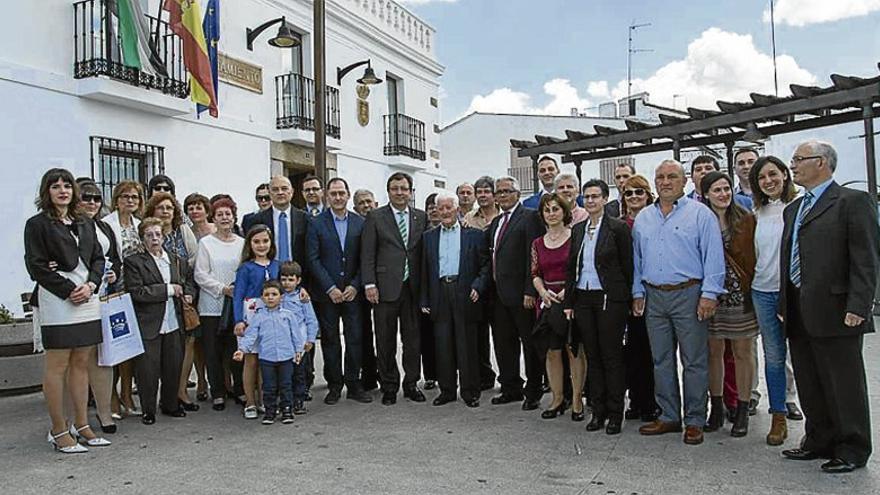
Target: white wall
[45, 123]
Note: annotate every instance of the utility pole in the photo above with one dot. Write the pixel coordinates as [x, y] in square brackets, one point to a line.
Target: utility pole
[630, 50]
[320, 93]
[773, 45]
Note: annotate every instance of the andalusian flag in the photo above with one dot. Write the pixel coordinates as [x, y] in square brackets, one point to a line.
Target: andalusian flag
[138, 51]
[186, 22]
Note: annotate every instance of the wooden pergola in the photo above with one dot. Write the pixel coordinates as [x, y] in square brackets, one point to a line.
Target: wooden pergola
[848, 99]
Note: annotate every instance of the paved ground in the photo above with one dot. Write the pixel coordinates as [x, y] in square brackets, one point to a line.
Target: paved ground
[407, 448]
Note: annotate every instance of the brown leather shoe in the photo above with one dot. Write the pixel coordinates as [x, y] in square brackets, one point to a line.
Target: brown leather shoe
[658, 427]
[693, 435]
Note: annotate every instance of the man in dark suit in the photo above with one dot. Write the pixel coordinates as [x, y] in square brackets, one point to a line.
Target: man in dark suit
[264, 201]
[829, 265]
[455, 273]
[364, 202]
[391, 249]
[510, 237]
[288, 224]
[158, 282]
[622, 172]
[333, 247]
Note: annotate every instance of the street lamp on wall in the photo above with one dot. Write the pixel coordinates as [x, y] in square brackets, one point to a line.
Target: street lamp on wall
[285, 38]
[369, 78]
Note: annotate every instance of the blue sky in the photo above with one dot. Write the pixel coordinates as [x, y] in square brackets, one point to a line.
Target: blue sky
[544, 56]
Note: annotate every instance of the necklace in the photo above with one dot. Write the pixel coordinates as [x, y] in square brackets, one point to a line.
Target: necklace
[554, 238]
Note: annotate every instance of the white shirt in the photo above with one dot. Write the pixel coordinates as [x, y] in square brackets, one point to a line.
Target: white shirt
[216, 264]
[276, 213]
[768, 243]
[169, 323]
[588, 278]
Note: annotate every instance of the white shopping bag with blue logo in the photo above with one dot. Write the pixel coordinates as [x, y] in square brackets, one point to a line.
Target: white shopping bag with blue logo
[122, 336]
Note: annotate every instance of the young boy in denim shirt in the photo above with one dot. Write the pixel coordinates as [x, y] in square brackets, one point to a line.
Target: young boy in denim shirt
[278, 336]
[291, 278]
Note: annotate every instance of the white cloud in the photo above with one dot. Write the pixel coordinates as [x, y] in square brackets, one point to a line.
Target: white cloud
[563, 95]
[719, 65]
[803, 12]
[598, 89]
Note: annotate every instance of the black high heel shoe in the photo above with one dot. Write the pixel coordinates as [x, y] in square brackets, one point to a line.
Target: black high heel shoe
[555, 412]
[577, 416]
[109, 429]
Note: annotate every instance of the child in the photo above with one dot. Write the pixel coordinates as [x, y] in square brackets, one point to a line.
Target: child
[257, 266]
[291, 277]
[278, 338]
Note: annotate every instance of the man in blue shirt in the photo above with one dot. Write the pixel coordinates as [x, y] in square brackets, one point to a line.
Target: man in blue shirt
[678, 274]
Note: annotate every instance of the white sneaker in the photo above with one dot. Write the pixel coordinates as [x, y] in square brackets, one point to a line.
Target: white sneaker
[250, 412]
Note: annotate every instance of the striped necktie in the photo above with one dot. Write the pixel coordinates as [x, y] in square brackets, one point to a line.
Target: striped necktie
[795, 268]
[404, 234]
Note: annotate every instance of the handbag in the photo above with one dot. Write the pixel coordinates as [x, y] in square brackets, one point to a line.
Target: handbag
[227, 316]
[191, 319]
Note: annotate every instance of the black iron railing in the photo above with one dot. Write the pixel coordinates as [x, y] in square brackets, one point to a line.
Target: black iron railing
[295, 104]
[98, 51]
[405, 136]
[115, 160]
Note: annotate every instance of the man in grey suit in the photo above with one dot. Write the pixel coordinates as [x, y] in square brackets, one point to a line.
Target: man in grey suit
[391, 250]
[829, 265]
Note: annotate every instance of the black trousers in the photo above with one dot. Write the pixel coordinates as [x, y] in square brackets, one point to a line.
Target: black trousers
[830, 377]
[335, 373]
[512, 328]
[484, 349]
[456, 346]
[369, 368]
[218, 345]
[388, 314]
[428, 351]
[161, 361]
[601, 323]
[639, 366]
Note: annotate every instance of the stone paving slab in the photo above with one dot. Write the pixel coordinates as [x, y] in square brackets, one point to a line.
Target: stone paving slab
[412, 448]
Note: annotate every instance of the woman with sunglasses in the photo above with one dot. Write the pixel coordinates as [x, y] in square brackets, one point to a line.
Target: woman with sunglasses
[637, 348]
[126, 206]
[101, 377]
[734, 320]
[772, 190]
[64, 258]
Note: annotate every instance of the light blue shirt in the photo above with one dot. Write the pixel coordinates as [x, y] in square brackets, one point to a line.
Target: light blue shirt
[341, 225]
[303, 311]
[275, 334]
[588, 279]
[450, 250]
[684, 245]
[817, 193]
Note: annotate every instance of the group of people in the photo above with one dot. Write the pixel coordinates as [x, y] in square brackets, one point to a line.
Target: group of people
[595, 298]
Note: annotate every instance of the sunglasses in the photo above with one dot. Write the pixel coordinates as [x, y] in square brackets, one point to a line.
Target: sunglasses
[264, 198]
[91, 198]
[162, 188]
[634, 192]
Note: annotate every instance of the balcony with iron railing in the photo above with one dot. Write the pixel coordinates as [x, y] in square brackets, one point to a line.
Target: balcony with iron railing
[98, 51]
[295, 104]
[404, 136]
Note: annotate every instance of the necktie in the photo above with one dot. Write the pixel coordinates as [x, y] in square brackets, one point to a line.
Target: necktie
[283, 238]
[795, 268]
[404, 234]
[501, 230]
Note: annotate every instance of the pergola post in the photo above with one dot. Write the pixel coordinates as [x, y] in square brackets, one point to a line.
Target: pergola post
[577, 171]
[729, 146]
[535, 174]
[870, 158]
[676, 149]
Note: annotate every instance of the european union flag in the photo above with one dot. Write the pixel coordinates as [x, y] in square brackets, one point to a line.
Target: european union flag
[211, 27]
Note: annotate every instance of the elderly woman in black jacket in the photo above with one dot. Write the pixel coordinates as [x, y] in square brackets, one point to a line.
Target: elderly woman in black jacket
[158, 282]
[64, 258]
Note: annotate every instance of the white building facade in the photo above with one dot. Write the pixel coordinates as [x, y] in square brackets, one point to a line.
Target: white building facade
[66, 103]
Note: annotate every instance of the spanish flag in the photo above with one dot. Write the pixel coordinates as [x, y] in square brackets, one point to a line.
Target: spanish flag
[186, 22]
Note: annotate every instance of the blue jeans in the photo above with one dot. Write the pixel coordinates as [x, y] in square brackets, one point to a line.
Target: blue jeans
[671, 317]
[298, 377]
[773, 339]
[277, 380]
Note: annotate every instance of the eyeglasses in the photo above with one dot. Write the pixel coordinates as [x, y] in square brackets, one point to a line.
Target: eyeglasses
[799, 159]
[162, 188]
[264, 198]
[502, 192]
[130, 197]
[634, 192]
[91, 198]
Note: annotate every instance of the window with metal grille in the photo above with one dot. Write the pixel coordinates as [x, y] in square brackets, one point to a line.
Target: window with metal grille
[114, 160]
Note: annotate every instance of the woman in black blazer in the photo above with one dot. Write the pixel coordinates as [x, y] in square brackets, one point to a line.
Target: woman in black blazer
[597, 296]
[158, 282]
[64, 258]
